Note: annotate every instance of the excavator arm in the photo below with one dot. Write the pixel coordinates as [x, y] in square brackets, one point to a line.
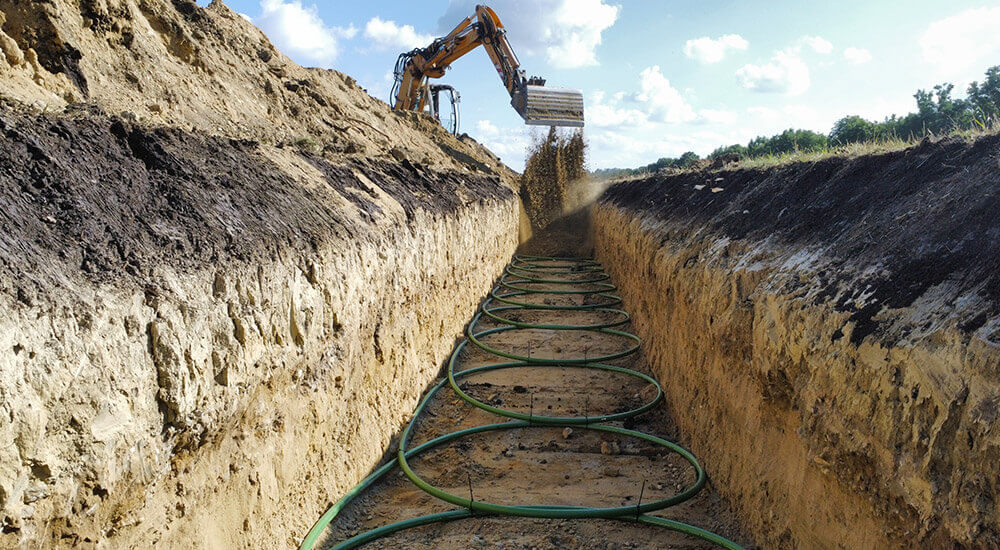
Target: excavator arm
[536, 103]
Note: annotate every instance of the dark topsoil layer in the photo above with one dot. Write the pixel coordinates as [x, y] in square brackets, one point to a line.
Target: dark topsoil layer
[109, 199]
[918, 217]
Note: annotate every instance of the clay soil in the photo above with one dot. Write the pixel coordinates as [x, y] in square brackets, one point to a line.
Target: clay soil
[542, 465]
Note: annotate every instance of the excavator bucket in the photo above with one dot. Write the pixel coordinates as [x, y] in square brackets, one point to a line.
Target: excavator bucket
[547, 106]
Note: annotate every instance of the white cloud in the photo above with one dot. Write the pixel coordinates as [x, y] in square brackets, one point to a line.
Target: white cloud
[604, 112]
[487, 128]
[577, 32]
[566, 32]
[818, 44]
[968, 40]
[786, 73]
[350, 32]
[707, 50]
[609, 116]
[716, 116]
[857, 56]
[387, 35]
[655, 102]
[662, 101]
[767, 121]
[300, 33]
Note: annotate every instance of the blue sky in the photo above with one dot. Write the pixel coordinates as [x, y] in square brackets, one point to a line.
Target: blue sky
[661, 78]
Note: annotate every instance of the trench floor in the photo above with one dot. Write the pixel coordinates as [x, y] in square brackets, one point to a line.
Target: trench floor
[542, 465]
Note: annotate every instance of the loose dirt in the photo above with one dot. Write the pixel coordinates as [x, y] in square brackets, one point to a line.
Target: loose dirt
[542, 465]
[547, 187]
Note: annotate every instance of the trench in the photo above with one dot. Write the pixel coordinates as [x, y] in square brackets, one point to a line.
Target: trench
[529, 437]
[189, 355]
[818, 424]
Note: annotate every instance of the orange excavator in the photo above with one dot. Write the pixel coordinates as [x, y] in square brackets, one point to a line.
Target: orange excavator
[536, 103]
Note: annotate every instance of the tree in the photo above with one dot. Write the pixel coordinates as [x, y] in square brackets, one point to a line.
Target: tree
[735, 149]
[985, 97]
[939, 113]
[789, 141]
[853, 129]
[660, 164]
[687, 159]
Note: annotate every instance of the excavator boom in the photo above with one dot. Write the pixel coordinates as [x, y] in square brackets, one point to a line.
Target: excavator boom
[536, 103]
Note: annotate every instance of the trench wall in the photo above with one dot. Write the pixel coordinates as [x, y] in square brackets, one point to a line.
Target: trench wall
[209, 347]
[828, 410]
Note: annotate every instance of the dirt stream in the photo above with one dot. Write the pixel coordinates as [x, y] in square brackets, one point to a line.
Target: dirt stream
[545, 465]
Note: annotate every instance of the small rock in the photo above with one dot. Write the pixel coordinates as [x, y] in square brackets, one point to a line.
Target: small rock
[609, 448]
[699, 187]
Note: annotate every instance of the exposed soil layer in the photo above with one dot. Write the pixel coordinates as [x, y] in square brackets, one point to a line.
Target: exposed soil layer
[543, 465]
[194, 327]
[116, 200]
[838, 325]
[913, 220]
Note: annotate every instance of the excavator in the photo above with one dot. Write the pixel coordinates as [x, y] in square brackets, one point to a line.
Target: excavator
[536, 103]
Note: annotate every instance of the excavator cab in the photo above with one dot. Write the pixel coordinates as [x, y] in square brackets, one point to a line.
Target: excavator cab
[443, 96]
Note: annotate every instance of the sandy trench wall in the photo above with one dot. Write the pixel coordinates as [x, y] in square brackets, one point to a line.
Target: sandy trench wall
[206, 353]
[824, 427]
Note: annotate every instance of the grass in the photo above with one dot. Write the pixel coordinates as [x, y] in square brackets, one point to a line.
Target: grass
[850, 150]
[859, 149]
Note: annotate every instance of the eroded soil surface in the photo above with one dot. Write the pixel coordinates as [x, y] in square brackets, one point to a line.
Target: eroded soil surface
[542, 465]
